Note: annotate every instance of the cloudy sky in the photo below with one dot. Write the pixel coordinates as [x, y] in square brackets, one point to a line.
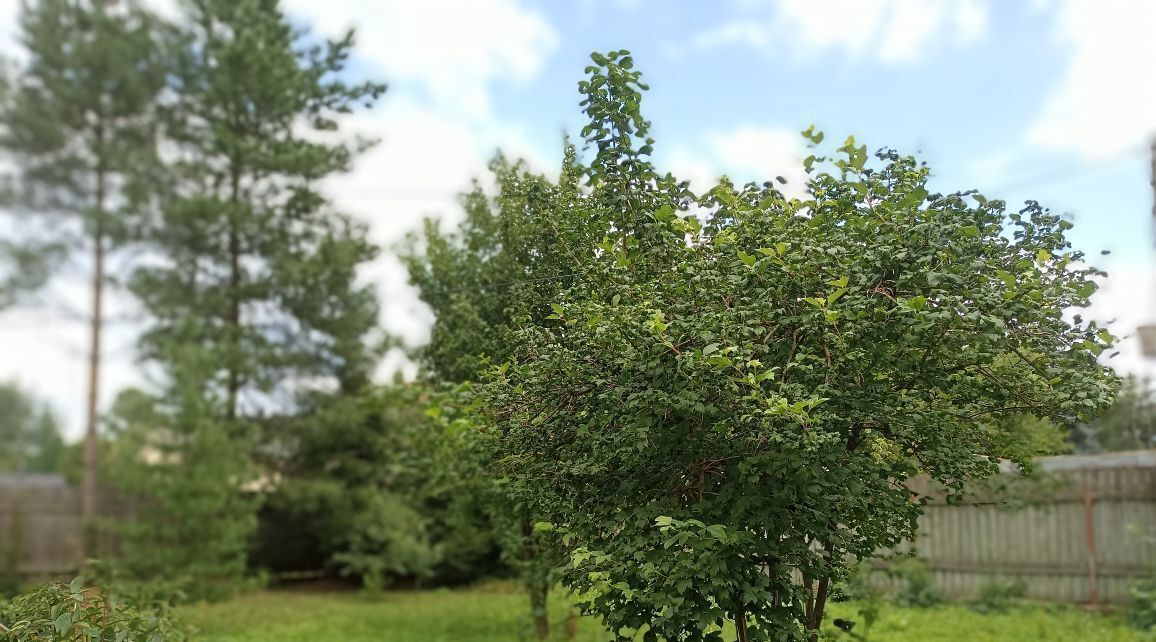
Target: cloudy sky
[1047, 100]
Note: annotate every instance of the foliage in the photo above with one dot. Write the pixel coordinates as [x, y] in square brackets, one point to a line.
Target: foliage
[724, 398]
[24, 268]
[59, 613]
[868, 599]
[477, 616]
[30, 439]
[252, 297]
[997, 596]
[79, 121]
[79, 125]
[504, 263]
[361, 478]
[193, 518]
[499, 269]
[1142, 606]
[916, 583]
[259, 279]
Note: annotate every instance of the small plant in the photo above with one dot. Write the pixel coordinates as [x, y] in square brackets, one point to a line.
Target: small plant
[916, 584]
[1142, 607]
[997, 596]
[857, 588]
[71, 613]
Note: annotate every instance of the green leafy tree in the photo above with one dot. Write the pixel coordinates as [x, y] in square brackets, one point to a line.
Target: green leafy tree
[359, 474]
[725, 400]
[499, 269]
[78, 122]
[253, 297]
[30, 440]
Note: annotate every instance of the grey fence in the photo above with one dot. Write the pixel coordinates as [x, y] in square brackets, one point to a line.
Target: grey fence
[42, 533]
[1083, 533]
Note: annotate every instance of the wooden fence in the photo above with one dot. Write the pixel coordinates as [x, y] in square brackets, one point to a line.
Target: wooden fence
[41, 530]
[1084, 533]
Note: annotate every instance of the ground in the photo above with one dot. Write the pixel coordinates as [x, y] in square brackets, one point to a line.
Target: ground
[495, 615]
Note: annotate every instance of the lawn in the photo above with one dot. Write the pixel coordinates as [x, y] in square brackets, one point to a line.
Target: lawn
[497, 616]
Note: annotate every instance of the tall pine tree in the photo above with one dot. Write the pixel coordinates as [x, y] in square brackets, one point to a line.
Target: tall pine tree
[78, 123]
[256, 299]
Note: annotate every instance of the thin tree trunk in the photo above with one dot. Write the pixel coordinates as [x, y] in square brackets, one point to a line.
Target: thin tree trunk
[815, 617]
[91, 437]
[234, 382]
[741, 626]
[539, 594]
[571, 624]
[539, 588]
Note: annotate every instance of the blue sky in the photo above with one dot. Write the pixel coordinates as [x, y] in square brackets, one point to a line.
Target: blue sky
[1042, 99]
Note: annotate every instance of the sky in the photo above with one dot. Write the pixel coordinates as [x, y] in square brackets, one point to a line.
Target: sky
[1040, 99]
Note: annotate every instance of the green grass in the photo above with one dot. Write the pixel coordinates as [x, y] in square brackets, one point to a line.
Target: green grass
[495, 616]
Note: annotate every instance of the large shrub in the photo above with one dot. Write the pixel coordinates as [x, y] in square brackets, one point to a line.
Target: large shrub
[724, 399]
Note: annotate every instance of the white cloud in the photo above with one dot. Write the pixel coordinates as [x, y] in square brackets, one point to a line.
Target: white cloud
[424, 161]
[1128, 299]
[889, 31]
[751, 153]
[1105, 100]
[451, 48]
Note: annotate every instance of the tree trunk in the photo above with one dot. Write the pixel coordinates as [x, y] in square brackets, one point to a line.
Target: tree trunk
[539, 593]
[234, 377]
[741, 626]
[96, 327]
[815, 616]
[571, 624]
[539, 588]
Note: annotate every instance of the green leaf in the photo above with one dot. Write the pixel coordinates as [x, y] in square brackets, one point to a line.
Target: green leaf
[746, 258]
[62, 623]
[916, 302]
[834, 296]
[710, 349]
[717, 531]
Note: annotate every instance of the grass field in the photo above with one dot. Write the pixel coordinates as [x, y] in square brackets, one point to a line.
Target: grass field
[495, 616]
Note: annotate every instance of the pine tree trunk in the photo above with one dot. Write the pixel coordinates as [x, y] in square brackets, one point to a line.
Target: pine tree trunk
[234, 382]
[91, 437]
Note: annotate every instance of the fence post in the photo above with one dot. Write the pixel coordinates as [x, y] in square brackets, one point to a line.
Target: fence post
[1090, 542]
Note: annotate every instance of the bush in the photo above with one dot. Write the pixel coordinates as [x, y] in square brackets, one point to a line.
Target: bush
[916, 585]
[997, 596]
[857, 588]
[1142, 607]
[59, 613]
